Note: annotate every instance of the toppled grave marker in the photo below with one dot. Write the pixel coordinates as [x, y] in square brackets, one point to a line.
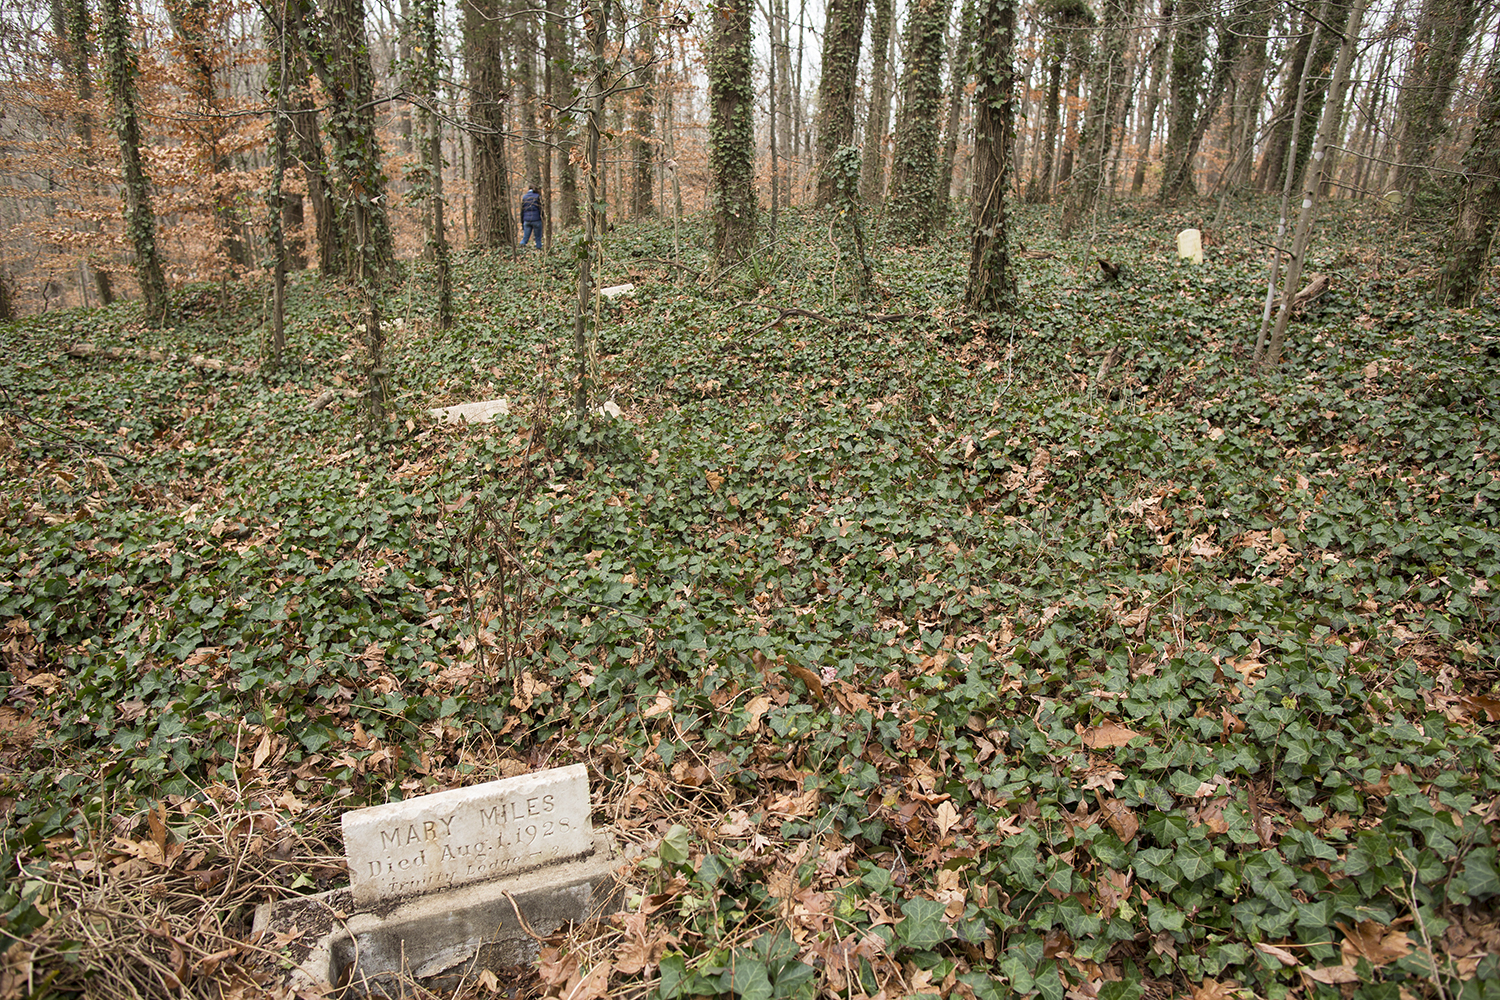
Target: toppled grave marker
[444, 884]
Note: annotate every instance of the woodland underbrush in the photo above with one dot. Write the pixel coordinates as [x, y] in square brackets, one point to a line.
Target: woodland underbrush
[1064, 655]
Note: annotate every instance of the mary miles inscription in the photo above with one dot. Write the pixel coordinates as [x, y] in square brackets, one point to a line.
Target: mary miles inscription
[468, 834]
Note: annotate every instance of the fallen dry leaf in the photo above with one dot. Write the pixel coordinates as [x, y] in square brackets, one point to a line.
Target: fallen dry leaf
[1284, 956]
[1108, 734]
[946, 817]
[1332, 974]
[1374, 942]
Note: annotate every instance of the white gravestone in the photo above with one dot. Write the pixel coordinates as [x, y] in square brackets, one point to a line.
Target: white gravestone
[1190, 245]
[448, 839]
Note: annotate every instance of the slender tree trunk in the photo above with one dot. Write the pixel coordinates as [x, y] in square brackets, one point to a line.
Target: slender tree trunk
[1040, 188]
[560, 62]
[782, 42]
[596, 19]
[992, 286]
[1473, 239]
[1158, 63]
[732, 131]
[121, 70]
[878, 116]
[70, 23]
[428, 63]
[1310, 61]
[277, 62]
[914, 166]
[525, 53]
[1312, 188]
[958, 82]
[643, 146]
[1107, 79]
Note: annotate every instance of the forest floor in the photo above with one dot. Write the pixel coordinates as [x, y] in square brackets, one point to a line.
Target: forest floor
[1069, 656]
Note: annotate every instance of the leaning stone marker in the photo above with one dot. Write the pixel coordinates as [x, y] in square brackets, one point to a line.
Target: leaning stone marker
[444, 884]
[465, 835]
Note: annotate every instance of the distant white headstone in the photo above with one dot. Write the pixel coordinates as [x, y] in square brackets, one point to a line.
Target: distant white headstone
[1190, 245]
[615, 291]
[465, 835]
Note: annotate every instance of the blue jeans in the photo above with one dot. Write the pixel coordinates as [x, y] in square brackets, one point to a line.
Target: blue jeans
[527, 229]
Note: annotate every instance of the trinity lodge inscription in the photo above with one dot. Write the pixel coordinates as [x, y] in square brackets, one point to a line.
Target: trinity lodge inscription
[468, 834]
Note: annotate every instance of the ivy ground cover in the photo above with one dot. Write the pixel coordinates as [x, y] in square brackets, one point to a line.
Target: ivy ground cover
[1061, 656]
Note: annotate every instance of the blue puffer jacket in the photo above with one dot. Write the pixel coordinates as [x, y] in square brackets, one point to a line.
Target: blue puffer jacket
[531, 207]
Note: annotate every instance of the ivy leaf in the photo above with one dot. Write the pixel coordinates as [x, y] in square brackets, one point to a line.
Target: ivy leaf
[924, 927]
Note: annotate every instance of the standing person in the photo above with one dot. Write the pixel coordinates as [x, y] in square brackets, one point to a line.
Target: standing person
[531, 216]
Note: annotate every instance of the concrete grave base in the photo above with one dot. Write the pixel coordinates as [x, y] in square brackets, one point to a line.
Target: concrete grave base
[440, 937]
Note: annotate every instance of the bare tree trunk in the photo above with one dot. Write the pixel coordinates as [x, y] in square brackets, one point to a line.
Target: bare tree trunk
[1158, 63]
[643, 146]
[559, 57]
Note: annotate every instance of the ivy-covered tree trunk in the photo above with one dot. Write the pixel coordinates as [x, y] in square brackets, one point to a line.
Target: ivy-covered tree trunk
[992, 286]
[1437, 54]
[1184, 80]
[493, 224]
[336, 50]
[1106, 88]
[1233, 27]
[1273, 167]
[958, 82]
[878, 115]
[1473, 237]
[70, 23]
[643, 144]
[731, 130]
[303, 114]
[914, 166]
[845, 26]
[193, 27]
[121, 69]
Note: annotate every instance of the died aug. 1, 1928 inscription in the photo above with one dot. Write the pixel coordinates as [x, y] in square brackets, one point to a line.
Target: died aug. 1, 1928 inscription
[469, 834]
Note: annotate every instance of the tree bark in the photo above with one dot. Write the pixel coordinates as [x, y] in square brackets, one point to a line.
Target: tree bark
[643, 145]
[1158, 63]
[70, 23]
[559, 45]
[992, 287]
[121, 69]
[1189, 48]
[1273, 165]
[843, 31]
[1107, 85]
[1437, 53]
[914, 166]
[731, 131]
[1177, 177]
[494, 226]
[958, 82]
[1463, 277]
[878, 115]
[1312, 188]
